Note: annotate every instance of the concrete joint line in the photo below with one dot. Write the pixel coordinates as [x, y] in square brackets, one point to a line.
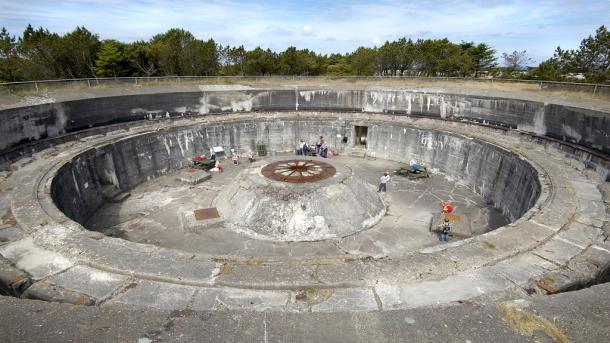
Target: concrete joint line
[545, 226]
[546, 259]
[596, 247]
[570, 242]
[129, 283]
[377, 299]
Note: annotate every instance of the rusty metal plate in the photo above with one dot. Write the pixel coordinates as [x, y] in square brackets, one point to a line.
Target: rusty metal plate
[206, 213]
[298, 171]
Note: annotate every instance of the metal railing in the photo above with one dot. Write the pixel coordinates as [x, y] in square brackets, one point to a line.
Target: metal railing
[41, 86]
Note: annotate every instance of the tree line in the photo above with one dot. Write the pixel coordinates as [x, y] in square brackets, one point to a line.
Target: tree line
[39, 54]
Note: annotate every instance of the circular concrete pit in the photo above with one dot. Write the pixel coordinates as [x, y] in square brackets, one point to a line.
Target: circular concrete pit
[104, 220]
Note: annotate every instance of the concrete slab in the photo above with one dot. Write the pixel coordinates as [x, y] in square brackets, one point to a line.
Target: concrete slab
[156, 294]
[594, 208]
[147, 261]
[450, 289]
[10, 234]
[558, 250]
[46, 291]
[522, 268]
[581, 235]
[348, 300]
[95, 283]
[586, 190]
[38, 262]
[193, 176]
[239, 299]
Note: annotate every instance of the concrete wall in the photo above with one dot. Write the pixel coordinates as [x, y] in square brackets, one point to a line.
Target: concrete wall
[501, 177]
[587, 128]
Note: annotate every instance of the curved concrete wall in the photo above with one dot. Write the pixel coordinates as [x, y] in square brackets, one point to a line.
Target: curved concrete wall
[500, 176]
[582, 127]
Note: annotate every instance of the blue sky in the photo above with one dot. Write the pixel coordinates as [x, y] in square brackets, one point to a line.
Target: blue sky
[325, 26]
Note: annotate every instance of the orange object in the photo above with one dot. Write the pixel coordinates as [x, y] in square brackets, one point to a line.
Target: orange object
[453, 218]
[447, 207]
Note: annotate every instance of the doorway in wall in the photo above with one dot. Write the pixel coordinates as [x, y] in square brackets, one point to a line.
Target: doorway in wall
[361, 132]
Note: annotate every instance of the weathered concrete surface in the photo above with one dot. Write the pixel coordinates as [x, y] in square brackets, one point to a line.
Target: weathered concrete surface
[502, 178]
[581, 126]
[575, 317]
[518, 255]
[341, 205]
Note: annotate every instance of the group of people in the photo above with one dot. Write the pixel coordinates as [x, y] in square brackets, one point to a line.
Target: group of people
[320, 148]
[235, 157]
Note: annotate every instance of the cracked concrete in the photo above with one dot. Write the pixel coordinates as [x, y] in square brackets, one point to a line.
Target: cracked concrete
[556, 240]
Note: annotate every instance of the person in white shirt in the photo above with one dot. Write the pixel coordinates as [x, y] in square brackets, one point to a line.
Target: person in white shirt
[383, 182]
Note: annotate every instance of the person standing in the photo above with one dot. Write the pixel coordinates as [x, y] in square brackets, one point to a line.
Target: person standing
[301, 148]
[444, 234]
[383, 181]
[235, 158]
[319, 145]
[212, 153]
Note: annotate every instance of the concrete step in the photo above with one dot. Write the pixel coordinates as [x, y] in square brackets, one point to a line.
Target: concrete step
[357, 152]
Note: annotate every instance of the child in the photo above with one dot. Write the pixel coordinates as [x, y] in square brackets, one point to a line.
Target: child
[444, 234]
[235, 158]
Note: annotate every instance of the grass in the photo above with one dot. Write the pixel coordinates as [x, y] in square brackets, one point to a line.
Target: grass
[497, 85]
[488, 245]
[256, 261]
[526, 323]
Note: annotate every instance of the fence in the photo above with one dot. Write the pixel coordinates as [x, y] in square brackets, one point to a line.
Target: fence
[36, 87]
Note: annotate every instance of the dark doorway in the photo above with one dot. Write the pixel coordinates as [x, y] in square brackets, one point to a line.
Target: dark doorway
[361, 132]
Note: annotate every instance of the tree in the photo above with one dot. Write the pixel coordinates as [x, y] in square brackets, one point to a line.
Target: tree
[388, 58]
[299, 62]
[78, 53]
[110, 60]
[8, 57]
[482, 55]
[548, 70]
[138, 56]
[362, 61]
[338, 64]
[407, 55]
[199, 58]
[592, 59]
[40, 52]
[232, 60]
[516, 60]
[167, 49]
[593, 56]
[261, 62]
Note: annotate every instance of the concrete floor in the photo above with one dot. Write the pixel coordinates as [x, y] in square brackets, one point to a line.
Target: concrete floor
[157, 211]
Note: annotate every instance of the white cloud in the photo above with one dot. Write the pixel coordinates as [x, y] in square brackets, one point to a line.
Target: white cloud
[307, 31]
[537, 26]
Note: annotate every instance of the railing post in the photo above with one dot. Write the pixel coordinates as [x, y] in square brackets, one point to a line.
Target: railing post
[89, 83]
[595, 89]
[36, 85]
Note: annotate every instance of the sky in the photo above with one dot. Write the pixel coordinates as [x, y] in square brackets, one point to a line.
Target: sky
[324, 26]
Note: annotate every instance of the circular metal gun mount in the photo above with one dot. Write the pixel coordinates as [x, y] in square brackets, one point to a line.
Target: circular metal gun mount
[298, 171]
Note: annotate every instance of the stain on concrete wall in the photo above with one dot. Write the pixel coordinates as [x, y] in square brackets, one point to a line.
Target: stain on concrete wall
[507, 181]
[587, 128]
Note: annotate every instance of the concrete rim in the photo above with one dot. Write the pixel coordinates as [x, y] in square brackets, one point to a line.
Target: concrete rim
[546, 225]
